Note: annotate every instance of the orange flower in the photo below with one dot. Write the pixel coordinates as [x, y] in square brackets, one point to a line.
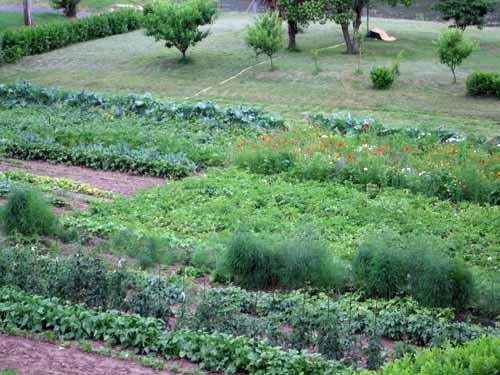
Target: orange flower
[407, 148]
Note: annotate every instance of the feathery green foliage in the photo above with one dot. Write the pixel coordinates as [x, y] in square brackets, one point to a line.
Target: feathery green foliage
[265, 35]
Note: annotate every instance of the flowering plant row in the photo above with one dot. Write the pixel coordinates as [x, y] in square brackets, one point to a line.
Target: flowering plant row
[423, 164]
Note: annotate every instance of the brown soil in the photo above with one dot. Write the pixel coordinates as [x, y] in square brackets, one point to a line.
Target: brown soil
[111, 181]
[32, 357]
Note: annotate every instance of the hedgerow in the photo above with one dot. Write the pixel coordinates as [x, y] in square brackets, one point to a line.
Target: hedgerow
[15, 44]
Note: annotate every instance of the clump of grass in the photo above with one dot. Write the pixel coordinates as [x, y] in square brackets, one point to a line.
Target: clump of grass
[387, 265]
[259, 262]
[28, 213]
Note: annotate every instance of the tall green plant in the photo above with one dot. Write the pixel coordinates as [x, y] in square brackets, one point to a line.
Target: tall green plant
[265, 35]
[27, 213]
[453, 48]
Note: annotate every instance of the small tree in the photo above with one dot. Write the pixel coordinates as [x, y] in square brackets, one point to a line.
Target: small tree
[178, 23]
[453, 49]
[465, 13]
[265, 35]
[69, 7]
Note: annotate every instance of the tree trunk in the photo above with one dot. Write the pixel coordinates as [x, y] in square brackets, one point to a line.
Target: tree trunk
[71, 12]
[28, 18]
[350, 48]
[293, 29]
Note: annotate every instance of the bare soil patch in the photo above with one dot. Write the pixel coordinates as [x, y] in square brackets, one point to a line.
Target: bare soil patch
[111, 181]
[32, 357]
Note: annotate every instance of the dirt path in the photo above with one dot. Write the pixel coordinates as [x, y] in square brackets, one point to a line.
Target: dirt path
[31, 357]
[111, 181]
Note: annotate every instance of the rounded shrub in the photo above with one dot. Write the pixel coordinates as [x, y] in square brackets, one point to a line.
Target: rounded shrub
[382, 77]
[26, 212]
[483, 84]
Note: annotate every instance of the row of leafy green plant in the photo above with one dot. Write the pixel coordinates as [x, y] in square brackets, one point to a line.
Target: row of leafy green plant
[215, 351]
[115, 158]
[72, 132]
[23, 93]
[15, 44]
[432, 163]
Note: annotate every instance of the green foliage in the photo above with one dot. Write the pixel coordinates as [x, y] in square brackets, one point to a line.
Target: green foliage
[382, 77]
[264, 161]
[388, 265]
[178, 23]
[483, 84]
[453, 48]
[16, 44]
[252, 261]
[265, 35]
[373, 353]
[294, 263]
[209, 114]
[210, 209]
[27, 213]
[218, 352]
[477, 357]
[465, 13]
[69, 7]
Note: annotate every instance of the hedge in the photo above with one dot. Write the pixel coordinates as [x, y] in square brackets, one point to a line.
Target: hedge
[483, 84]
[21, 42]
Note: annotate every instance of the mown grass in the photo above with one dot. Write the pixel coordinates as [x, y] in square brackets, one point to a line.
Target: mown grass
[90, 5]
[423, 96]
[12, 20]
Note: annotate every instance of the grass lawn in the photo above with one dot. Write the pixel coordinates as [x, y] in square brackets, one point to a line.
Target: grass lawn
[90, 5]
[12, 20]
[423, 95]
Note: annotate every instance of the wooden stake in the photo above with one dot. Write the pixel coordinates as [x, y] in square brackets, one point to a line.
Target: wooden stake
[28, 17]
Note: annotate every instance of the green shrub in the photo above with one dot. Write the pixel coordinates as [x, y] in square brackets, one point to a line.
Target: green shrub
[27, 213]
[415, 265]
[292, 263]
[382, 77]
[477, 357]
[265, 35]
[252, 261]
[483, 84]
[379, 267]
[178, 23]
[306, 261]
[486, 296]
[16, 44]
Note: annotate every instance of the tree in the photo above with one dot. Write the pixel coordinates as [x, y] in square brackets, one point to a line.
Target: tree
[27, 7]
[299, 13]
[453, 49]
[265, 35]
[69, 7]
[465, 13]
[178, 23]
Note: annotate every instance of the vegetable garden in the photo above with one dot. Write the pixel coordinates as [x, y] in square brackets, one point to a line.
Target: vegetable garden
[239, 241]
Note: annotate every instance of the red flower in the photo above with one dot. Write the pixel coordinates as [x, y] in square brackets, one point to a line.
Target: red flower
[365, 127]
[407, 148]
